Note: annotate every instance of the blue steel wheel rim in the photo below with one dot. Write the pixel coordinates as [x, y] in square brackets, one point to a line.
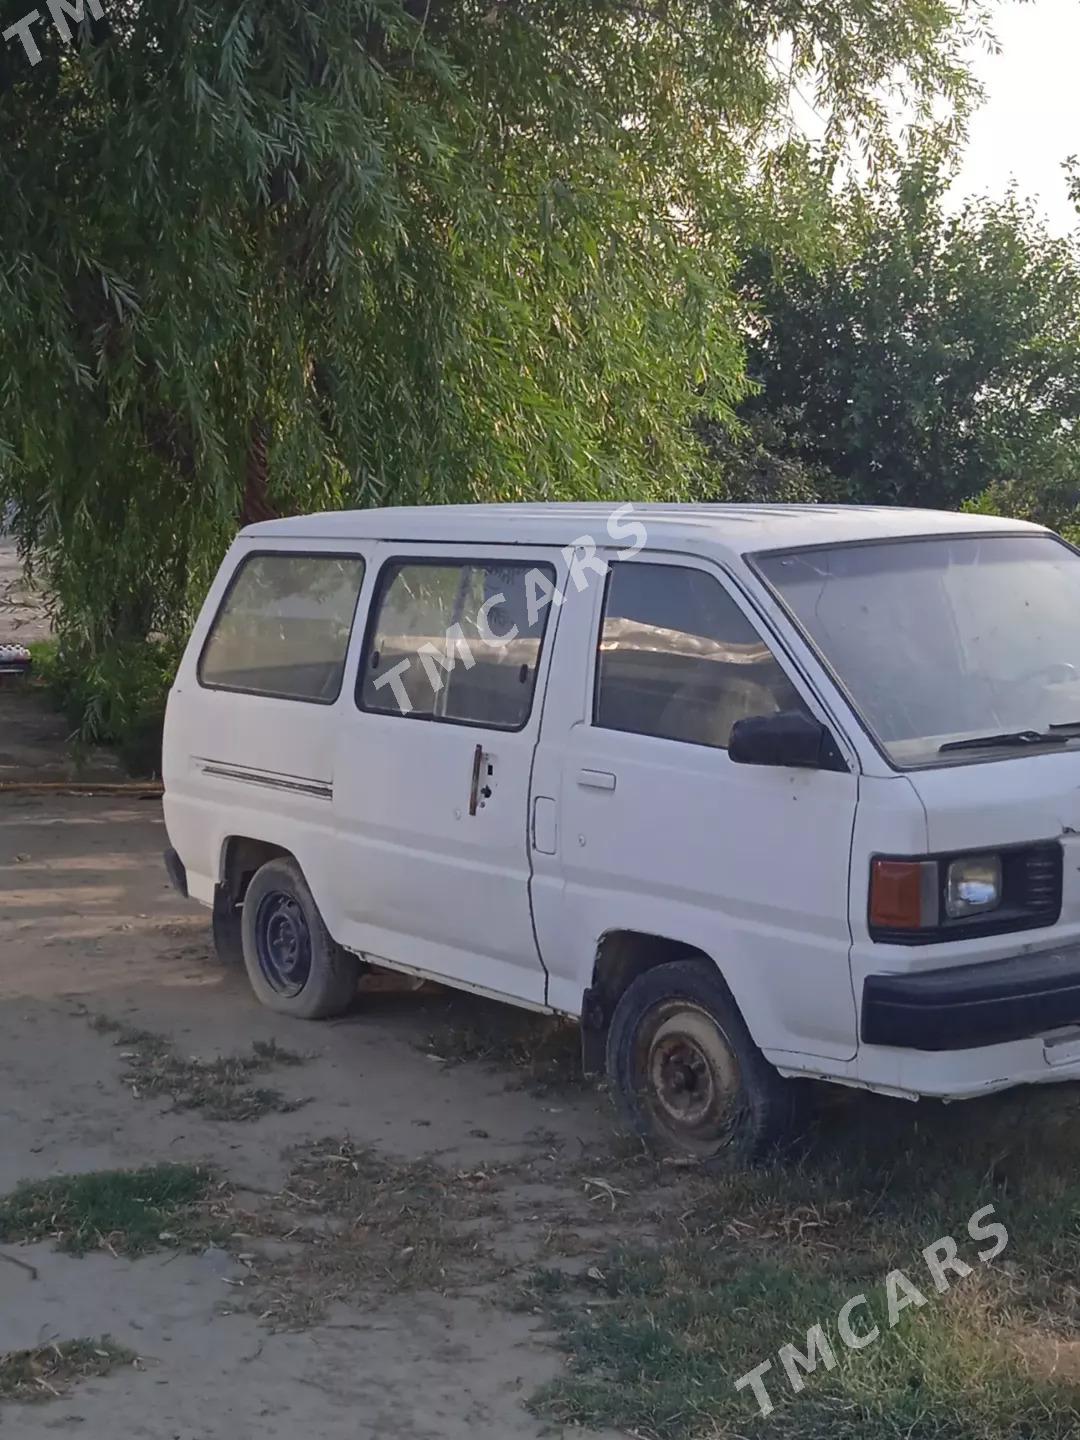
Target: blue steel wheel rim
[283, 943]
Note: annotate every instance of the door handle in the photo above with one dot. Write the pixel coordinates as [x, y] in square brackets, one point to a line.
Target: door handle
[474, 788]
[596, 779]
[479, 793]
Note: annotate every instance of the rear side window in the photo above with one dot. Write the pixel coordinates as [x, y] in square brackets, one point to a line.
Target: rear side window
[283, 627]
[457, 641]
[678, 658]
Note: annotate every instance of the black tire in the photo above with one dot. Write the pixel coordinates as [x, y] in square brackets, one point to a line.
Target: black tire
[228, 930]
[294, 965]
[689, 1078]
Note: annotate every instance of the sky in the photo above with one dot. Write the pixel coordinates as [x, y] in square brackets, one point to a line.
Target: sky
[1030, 121]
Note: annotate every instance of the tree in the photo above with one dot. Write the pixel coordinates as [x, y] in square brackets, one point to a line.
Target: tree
[934, 359]
[281, 255]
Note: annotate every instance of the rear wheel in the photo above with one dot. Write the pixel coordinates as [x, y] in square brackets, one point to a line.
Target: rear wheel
[294, 965]
[688, 1076]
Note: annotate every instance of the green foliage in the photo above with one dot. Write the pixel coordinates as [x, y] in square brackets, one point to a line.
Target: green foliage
[113, 697]
[933, 358]
[131, 1211]
[760, 460]
[282, 255]
[1048, 500]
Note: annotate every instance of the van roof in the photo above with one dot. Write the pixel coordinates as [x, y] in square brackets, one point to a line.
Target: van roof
[740, 528]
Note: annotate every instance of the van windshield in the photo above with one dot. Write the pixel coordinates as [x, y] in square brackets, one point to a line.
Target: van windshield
[970, 643]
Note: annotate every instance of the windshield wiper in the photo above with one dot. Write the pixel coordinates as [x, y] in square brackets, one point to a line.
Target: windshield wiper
[1010, 737]
[1067, 727]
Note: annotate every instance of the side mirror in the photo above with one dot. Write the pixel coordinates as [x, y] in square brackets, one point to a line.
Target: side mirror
[790, 738]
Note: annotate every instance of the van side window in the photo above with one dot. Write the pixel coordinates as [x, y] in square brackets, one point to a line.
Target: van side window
[678, 659]
[456, 641]
[283, 627]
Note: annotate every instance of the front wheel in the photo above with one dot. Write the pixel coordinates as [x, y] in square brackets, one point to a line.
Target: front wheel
[293, 963]
[688, 1076]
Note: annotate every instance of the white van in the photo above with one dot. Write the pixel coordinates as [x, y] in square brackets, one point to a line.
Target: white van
[760, 793]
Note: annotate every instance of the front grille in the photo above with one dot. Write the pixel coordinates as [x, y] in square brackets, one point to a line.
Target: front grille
[1041, 881]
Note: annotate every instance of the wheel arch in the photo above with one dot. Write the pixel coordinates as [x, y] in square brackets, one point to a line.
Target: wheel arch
[621, 956]
[241, 856]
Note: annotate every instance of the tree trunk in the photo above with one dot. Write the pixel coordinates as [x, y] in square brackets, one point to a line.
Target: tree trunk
[256, 504]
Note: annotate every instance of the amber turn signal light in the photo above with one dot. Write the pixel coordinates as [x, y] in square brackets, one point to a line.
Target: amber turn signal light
[903, 894]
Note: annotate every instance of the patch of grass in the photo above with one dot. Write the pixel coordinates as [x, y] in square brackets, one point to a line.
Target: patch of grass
[713, 1274]
[50, 1371]
[219, 1088]
[363, 1225]
[667, 1333]
[127, 1212]
[542, 1051]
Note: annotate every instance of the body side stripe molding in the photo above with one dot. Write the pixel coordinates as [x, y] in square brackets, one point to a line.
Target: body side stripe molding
[268, 779]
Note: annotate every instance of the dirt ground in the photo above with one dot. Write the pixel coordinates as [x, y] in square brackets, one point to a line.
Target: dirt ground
[88, 927]
[22, 614]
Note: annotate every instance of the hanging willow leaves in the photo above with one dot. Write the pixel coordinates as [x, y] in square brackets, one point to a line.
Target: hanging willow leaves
[281, 254]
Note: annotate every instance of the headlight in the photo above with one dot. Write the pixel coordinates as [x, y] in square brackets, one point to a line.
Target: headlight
[972, 885]
[925, 900]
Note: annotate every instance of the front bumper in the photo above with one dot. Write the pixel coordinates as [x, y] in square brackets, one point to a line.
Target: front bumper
[967, 1006]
